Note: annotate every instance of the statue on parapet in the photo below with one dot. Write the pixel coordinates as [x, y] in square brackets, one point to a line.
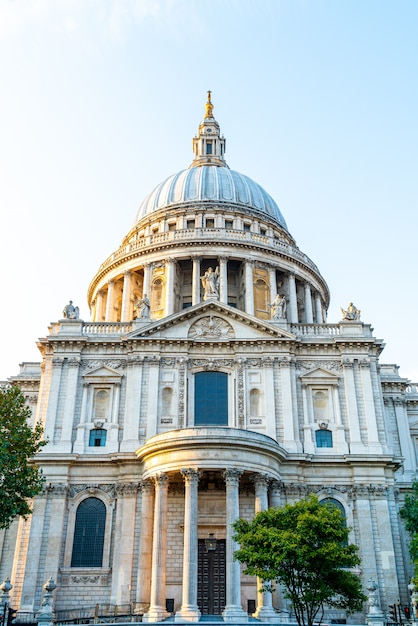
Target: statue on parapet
[352, 314]
[278, 307]
[142, 308]
[71, 312]
[210, 282]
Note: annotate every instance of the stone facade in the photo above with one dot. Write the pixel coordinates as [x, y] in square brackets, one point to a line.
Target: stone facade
[302, 406]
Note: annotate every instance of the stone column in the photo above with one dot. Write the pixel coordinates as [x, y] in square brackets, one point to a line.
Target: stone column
[273, 284]
[189, 611]
[157, 611]
[318, 309]
[264, 611]
[233, 611]
[143, 589]
[293, 303]
[126, 314]
[56, 365]
[275, 494]
[99, 306]
[146, 285]
[169, 293]
[249, 288]
[308, 304]
[223, 279]
[109, 301]
[196, 280]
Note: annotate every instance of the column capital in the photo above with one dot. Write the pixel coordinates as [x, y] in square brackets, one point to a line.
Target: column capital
[161, 480]
[261, 480]
[190, 475]
[232, 476]
[146, 485]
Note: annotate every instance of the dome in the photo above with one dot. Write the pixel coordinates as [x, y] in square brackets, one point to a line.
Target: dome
[214, 184]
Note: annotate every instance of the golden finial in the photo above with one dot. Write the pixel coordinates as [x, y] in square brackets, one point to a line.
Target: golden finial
[209, 106]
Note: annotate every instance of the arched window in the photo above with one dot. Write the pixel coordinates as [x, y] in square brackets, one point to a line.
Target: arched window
[101, 403]
[157, 294]
[211, 399]
[261, 295]
[323, 438]
[166, 400]
[320, 404]
[97, 437]
[254, 402]
[337, 503]
[89, 534]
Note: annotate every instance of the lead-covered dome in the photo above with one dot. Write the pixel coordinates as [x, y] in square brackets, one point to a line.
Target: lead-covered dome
[210, 180]
[210, 183]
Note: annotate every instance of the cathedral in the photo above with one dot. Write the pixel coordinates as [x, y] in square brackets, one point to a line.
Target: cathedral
[208, 385]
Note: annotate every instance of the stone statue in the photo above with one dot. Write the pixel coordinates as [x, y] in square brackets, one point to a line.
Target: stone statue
[210, 282]
[278, 307]
[71, 312]
[142, 308]
[352, 314]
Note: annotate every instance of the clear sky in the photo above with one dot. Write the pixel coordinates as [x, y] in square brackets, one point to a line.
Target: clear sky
[318, 100]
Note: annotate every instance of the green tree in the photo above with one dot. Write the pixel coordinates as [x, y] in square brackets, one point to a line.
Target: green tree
[304, 547]
[20, 478]
[409, 514]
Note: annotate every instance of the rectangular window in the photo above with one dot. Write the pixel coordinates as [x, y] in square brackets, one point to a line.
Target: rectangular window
[190, 224]
[211, 399]
[171, 227]
[323, 438]
[247, 228]
[208, 147]
[210, 223]
[97, 437]
[229, 224]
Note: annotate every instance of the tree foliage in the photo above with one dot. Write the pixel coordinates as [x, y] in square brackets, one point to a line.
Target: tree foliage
[20, 478]
[304, 547]
[409, 514]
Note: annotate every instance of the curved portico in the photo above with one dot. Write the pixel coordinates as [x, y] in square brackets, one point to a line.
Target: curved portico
[211, 465]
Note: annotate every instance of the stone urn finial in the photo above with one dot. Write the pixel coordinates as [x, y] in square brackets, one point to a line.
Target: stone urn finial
[45, 615]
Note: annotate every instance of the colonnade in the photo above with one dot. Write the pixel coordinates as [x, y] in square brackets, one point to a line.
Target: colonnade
[153, 547]
[312, 301]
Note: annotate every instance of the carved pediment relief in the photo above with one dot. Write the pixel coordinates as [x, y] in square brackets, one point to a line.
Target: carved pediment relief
[320, 375]
[102, 374]
[211, 327]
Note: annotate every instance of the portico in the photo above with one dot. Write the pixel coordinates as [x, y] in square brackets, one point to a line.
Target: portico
[208, 485]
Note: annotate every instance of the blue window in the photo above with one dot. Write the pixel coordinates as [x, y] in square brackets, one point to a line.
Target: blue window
[323, 439]
[97, 437]
[89, 533]
[211, 399]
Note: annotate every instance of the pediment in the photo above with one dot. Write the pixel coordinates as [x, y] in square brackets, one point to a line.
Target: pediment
[211, 321]
[320, 375]
[102, 373]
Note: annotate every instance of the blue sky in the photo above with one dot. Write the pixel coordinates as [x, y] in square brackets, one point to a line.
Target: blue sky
[318, 100]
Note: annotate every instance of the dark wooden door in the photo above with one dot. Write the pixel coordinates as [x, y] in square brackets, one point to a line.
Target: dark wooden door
[211, 578]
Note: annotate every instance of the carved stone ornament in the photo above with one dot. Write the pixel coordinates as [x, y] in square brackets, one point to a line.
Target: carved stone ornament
[211, 327]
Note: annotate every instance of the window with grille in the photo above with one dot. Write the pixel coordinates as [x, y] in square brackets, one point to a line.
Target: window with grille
[97, 437]
[89, 533]
[211, 399]
[323, 438]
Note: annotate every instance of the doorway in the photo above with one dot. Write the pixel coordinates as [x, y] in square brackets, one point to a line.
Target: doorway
[211, 585]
